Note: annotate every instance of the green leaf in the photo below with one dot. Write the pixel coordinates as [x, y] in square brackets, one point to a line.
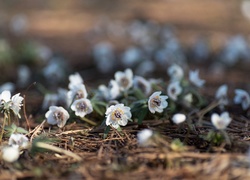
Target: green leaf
[140, 114]
[21, 130]
[106, 131]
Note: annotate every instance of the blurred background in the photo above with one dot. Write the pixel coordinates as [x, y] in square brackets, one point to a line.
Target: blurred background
[44, 41]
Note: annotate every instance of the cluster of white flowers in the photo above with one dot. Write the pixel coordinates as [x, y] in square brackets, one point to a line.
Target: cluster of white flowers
[241, 97]
[13, 103]
[123, 82]
[76, 98]
[176, 87]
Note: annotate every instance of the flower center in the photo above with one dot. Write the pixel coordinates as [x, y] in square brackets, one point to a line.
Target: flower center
[124, 82]
[81, 106]
[117, 114]
[173, 90]
[156, 101]
[58, 115]
[79, 95]
[142, 86]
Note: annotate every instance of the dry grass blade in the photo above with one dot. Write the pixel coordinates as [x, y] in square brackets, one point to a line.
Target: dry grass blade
[58, 150]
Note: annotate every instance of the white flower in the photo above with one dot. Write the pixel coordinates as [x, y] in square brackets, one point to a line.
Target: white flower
[174, 90]
[222, 121]
[111, 92]
[57, 115]
[19, 141]
[175, 72]
[142, 84]
[221, 95]
[195, 79]
[10, 154]
[13, 103]
[74, 80]
[117, 115]
[114, 90]
[77, 92]
[124, 79]
[157, 103]
[144, 137]
[243, 98]
[178, 118]
[16, 103]
[82, 107]
[5, 96]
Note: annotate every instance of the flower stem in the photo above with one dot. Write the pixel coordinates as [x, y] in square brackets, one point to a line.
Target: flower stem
[4, 122]
[89, 121]
[206, 110]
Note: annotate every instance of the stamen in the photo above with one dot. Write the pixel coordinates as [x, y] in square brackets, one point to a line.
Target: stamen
[58, 115]
[81, 106]
[156, 101]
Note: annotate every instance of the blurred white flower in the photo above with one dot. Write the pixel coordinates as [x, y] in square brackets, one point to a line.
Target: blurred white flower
[175, 72]
[221, 95]
[157, 103]
[142, 84]
[174, 90]
[178, 118]
[23, 76]
[82, 107]
[145, 67]
[74, 80]
[124, 79]
[144, 137]
[57, 116]
[188, 99]
[236, 48]
[104, 57]
[19, 24]
[131, 57]
[77, 92]
[242, 97]
[221, 122]
[10, 154]
[5, 96]
[111, 92]
[43, 52]
[117, 115]
[18, 141]
[195, 79]
[7, 87]
[54, 71]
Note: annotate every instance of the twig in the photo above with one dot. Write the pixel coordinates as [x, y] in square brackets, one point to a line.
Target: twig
[24, 112]
[36, 130]
[58, 150]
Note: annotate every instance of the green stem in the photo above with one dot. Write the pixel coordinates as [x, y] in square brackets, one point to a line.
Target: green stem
[4, 122]
[224, 133]
[206, 110]
[89, 121]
